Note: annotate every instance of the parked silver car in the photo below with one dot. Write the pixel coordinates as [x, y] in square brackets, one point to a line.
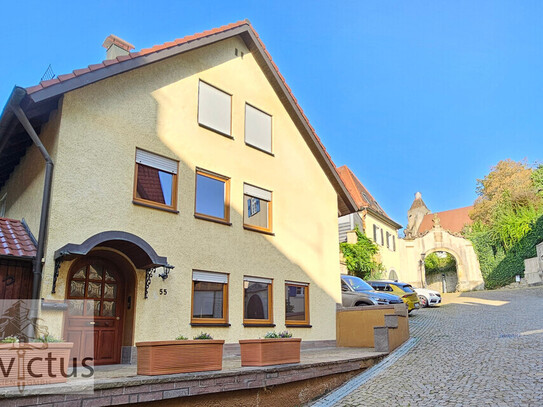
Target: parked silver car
[356, 292]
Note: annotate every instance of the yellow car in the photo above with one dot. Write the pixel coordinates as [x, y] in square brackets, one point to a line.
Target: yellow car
[402, 290]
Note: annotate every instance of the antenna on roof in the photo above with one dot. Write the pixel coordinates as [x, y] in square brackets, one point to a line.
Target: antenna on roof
[49, 74]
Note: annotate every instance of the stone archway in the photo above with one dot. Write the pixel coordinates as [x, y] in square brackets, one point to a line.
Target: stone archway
[414, 250]
[442, 281]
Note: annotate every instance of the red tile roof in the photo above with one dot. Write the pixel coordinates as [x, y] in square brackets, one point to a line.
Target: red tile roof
[453, 220]
[187, 39]
[359, 192]
[15, 240]
[132, 55]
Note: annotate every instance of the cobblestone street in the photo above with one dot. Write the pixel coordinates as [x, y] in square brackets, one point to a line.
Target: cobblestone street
[476, 349]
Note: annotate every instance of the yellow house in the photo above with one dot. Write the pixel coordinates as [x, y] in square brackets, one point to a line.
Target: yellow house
[373, 220]
[171, 194]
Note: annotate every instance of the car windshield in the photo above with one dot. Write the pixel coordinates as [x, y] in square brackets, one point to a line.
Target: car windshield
[357, 283]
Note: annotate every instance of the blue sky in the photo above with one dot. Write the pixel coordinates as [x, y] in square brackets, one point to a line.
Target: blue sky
[411, 95]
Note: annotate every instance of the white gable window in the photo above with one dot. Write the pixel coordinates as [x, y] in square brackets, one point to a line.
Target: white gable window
[378, 235]
[214, 109]
[258, 128]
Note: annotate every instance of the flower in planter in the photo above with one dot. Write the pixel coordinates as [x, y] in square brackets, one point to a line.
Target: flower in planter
[10, 339]
[181, 338]
[47, 339]
[275, 335]
[203, 335]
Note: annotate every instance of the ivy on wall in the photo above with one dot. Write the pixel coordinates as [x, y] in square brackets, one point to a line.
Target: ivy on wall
[360, 256]
[500, 264]
[508, 220]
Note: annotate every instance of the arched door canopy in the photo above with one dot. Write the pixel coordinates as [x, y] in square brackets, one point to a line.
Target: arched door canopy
[134, 247]
[142, 255]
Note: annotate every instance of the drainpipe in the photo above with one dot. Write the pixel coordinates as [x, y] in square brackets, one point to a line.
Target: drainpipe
[19, 94]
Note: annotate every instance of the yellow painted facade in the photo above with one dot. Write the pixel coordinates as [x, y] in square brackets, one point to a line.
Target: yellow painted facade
[389, 257]
[93, 142]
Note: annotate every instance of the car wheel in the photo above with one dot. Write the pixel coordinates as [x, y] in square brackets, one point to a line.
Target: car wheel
[423, 301]
[361, 304]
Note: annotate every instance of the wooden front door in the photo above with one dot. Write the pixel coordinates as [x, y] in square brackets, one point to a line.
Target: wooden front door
[97, 318]
[15, 280]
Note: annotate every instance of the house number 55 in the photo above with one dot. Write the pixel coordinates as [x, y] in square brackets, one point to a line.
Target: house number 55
[163, 291]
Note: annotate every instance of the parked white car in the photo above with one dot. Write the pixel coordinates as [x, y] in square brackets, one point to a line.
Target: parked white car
[428, 297]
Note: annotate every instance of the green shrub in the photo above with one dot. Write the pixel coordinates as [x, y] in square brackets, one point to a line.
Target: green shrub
[203, 335]
[181, 338]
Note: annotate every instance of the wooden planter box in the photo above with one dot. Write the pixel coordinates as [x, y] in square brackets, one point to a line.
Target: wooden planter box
[265, 352]
[169, 357]
[24, 373]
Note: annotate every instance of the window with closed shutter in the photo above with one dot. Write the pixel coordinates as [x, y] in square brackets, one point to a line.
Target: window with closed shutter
[214, 109]
[258, 128]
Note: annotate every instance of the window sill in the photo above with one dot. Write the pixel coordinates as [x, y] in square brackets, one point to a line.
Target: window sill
[216, 131]
[203, 217]
[250, 325]
[265, 232]
[298, 325]
[260, 149]
[226, 325]
[148, 205]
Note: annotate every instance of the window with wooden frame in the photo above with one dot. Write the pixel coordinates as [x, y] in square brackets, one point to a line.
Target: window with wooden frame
[214, 109]
[155, 181]
[257, 209]
[209, 298]
[212, 201]
[257, 300]
[296, 303]
[258, 129]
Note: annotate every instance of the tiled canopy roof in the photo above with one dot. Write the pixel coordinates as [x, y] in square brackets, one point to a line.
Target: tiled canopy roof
[453, 220]
[15, 240]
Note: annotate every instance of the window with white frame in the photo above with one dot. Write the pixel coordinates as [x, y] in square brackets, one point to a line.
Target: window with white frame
[214, 109]
[258, 128]
[378, 235]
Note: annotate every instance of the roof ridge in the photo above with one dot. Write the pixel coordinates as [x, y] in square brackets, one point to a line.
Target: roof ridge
[135, 54]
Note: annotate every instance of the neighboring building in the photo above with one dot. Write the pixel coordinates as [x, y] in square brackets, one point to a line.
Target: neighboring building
[421, 220]
[195, 155]
[373, 220]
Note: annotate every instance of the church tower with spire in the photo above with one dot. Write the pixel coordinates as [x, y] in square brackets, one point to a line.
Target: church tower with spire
[415, 214]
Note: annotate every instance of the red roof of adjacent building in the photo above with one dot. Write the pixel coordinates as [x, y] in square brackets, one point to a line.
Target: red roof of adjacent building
[15, 240]
[359, 192]
[453, 220]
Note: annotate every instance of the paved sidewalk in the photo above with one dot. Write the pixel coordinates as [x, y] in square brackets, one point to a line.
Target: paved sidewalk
[477, 349]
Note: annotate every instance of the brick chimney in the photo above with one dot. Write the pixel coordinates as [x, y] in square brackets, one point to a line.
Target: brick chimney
[116, 47]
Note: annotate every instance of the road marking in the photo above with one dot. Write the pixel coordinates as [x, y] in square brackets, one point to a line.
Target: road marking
[357, 381]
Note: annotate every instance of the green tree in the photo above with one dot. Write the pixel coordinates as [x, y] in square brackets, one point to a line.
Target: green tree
[360, 256]
[439, 262]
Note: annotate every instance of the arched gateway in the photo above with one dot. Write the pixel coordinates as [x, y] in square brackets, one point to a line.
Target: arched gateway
[422, 239]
